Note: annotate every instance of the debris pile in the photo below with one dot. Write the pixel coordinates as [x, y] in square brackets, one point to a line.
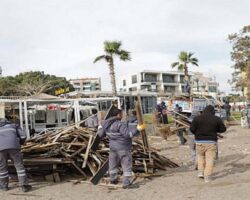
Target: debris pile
[70, 147]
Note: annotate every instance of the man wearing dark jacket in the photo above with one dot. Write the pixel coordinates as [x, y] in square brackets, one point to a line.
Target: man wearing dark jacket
[205, 128]
[120, 144]
[11, 137]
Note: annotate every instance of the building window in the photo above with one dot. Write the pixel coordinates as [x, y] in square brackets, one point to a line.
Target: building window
[182, 78]
[124, 82]
[150, 78]
[145, 87]
[212, 89]
[133, 89]
[134, 79]
[169, 89]
[168, 79]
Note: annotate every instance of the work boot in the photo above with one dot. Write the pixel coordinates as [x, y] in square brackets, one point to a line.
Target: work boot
[4, 188]
[26, 188]
[114, 182]
[200, 174]
[207, 179]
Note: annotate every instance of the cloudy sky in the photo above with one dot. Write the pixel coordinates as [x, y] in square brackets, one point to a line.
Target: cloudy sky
[62, 37]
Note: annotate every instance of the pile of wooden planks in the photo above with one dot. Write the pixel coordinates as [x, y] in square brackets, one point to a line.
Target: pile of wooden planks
[70, 147]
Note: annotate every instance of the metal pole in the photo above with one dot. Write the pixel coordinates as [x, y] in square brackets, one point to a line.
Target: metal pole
[26, 120]
[77, 111]
[21, 114]
[118, 102]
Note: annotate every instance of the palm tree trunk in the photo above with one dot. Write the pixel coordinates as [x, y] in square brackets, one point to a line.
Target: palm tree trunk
[186, 77]
[112, 77]
[186, 72]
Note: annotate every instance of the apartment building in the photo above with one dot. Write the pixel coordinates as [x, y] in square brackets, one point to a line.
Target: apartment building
[165, 83]
[86, 84]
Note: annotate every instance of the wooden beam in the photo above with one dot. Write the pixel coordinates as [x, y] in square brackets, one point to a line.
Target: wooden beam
[100, 173]
[140, 122]
[87, 152]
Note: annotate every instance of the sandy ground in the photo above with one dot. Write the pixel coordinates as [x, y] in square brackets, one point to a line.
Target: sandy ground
[231, 177]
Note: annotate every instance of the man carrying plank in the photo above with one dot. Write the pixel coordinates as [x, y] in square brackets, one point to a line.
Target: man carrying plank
[120, 142]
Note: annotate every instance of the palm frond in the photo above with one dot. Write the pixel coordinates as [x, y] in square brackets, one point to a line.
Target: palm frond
[124, 55]
[190, 54]
[98, 58]
[181, 67]
[194, 61]
[173, 65]
[112, 47]
[183, 56]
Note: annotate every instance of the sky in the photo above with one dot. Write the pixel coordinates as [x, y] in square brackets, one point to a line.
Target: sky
[63, 37]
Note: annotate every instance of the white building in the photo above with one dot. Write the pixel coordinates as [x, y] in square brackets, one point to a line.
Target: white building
[165, 83]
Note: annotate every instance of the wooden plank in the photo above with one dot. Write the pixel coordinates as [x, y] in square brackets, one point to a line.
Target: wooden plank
[92, 170]
[100, 173]
[112, 186]
[57, 178]
[78, 151]
[87, 152]
[79, 169]
[179, 114]
[95, 143]
[182, 123]
[140, 122]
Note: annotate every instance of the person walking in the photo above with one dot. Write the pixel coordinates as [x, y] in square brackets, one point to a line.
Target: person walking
[180, 133]
[164, 113]
[227, 108]
[11, 138]
[206, 127]
[120, 136]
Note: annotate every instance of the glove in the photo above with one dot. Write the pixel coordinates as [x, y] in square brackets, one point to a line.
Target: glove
[99, 127]
[141, 127]
[22, 141]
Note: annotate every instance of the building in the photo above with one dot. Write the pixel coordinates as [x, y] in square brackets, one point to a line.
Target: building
[86, 84]
[164, 83]
[203, 85]
[168, 83]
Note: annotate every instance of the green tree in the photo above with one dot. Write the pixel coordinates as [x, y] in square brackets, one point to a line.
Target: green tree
[113, 49]
[240, 55]
[184, 59]
[31, 83]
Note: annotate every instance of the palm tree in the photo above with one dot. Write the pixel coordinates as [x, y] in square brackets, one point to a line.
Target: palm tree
[112, 49]
[184, 59]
